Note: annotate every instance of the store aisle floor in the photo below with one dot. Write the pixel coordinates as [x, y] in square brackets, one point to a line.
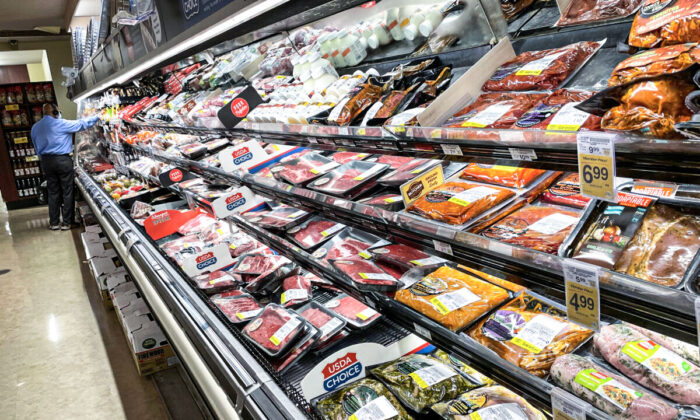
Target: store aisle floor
[62, 355]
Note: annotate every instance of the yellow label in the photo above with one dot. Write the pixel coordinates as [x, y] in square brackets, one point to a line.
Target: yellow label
[212, 281]
[32, 158]
[563, 127]
[20, 140]
[324, 233]
[12, 107]
[528, 72]
[596, 174]
[473, 124]
[582, 304]
[421, 383]
[274, 340]
[505, 168]
[560, 415]
[362, 316]
[283, 298]
[240, 315]
[232, 246]
[220, 232]
[361, 132]
[459, 201]
[363, 275]
[314, 171]
[421, 185]
[526, 345]
[439, 306]
[475, 416]
[364, 255]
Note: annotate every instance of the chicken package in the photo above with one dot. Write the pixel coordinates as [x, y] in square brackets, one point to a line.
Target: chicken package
[323, 319]
[366, 276]
[314, 231]
[488, 403]
[354, 312]
[420, 381]
[608, 392]
[303, 169]
[348, 177]
[451, 297]
[662, 23]
[541, 70]
[588, 11]
[346, 244]
[649, 364]
[685, 350]
[651, 107]
[217, 281]
[457, 203]
[664, 246]
[408, 171]
[362, 400]
[279, 218]
[538, 227]
[530, 333]
[404, 256]
[558, 112]
[275, 329]
[567, 192]
[238, 307]
[508, 176]
[653, 63]
[511, 8]
[295, 290]
[345, 157]
[390, 202]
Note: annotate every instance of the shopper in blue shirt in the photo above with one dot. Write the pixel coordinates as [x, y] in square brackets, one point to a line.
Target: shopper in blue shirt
[53, 141]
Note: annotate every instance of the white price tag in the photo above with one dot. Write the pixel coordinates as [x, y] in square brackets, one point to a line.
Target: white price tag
[451, 149]
[582, 294]
[522, 154]
[500, 248]
[424, 332]
[442, 247]
[567, 407]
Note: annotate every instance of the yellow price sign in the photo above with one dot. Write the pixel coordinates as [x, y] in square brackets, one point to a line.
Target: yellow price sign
[20, 140]
[596, 164]
[12, 107]
[582, 294]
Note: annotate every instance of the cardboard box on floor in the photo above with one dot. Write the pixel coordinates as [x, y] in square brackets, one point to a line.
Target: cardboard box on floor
[103, 267]
[150, 348]
[93, 229]
[117, 279]
[127, 300]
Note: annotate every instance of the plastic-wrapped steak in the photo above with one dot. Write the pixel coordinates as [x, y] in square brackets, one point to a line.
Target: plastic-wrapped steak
[403, 256]
[366, 275]
[314, 231]
[275, 329]
[356, 313]
[348, 177]
[325, 320]
[217, 281]
[390, 202]
[303, 169]
[408, 171]
[238, 307]
[258, 263]
[295, 290]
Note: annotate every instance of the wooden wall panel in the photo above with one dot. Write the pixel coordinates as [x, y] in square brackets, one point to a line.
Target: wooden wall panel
[14, 74]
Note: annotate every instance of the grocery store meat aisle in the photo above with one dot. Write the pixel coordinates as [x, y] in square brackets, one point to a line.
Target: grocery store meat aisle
[62, 355]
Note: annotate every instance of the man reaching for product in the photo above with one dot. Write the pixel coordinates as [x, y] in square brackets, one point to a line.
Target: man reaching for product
[53, 141]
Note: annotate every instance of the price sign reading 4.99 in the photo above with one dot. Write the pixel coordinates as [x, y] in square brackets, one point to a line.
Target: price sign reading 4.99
[596, 164]
[582, 294]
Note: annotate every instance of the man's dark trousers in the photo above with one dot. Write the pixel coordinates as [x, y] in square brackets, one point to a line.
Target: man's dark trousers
[58, 170]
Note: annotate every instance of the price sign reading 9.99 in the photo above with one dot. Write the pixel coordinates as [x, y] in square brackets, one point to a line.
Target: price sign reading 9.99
[596, 164]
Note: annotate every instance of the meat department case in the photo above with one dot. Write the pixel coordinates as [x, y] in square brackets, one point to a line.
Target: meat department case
[168, 151]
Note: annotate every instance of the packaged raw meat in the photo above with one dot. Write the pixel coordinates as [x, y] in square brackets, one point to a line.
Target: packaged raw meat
[275, 330]
[295, 290]
[408, 171]
[476, 378]
[393, 161]
[541, 70]
[193, 150]
[508, 176]
[270, 279]
[457, 203]
[567, 192]
[217, 281]
[538, 227]
[348, 177]
[511, 8]
[584, 11]
[216, 144]
[663, 247]
[258, 263]
[491, 402]
[279, 218]
[359, 99]
[606, 391]
[238, 307]
[218, 232]
[323, 319]
[651, 107]
[196, 225]
[420, 381]
[345, 157]
[390, 202]
[364, 399]
[404, 256]
[653, 63]
[366, 276]
[659, 24]
[649, 364]
[348, 243]
[683, 349]
[612, 229]
[530, 333]
[240, 243]
[451, 297]
[303, 169]
[354, 312]
[299, 349]
[179, 249]
[314, 231]
[558, 112]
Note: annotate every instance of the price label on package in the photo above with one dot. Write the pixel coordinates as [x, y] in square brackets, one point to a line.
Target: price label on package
[567, 407]
[596, 164]
[522, 154]
[442, 247]
[582, 294]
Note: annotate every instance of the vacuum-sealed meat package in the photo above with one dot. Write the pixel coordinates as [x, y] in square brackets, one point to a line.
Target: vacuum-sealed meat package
[403, 256]
[295, 290]
[566, 191]
[238, 307]
[322, 318]
[508, 176]
[346, 244]
[585, 11]
[256, 264]
[240, 243]
[653, 63]
[394, 162]
[662, 23]
[314, 231]
[348, 177]
[354, 312]
[303, 169]
[408, 171]
[542, 228]
[491, 402]
[196, 225]
[558, 112]
[366, 276]
[541, 70]
[279, 218]
[530, 333]
[391, 202]
[451, 297]
[345, 157]
[493, 110]
[275, 329]
[217, 281]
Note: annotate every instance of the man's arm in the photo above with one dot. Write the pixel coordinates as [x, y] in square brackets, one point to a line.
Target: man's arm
[73, 126]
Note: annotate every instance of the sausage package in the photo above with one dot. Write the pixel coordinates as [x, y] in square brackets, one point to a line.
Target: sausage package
[541, 70]
[451, 297]
[585, 11]
[531, 333]
[662, 23]
[657, 62]
[508, 176]
[566, 191]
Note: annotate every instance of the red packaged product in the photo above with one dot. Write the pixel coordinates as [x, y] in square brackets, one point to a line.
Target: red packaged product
[345, 157]
[584, 11]
[356, 313]
[540, 228]
[391, 202]
[541, 70]
[281, 217]
[509, 176]
[196, 225]
[403, 256]
[238, 307]
[258, 263]
[408, 171]
[303, 169]
[217, 281]
[344, 248]
[661, 23]
[654, 63]
[393, 161]
[566, 191]
[557, 112]
[274, 329]
[511, 8]
[299, 350]
[366, 275]
[314, 231]
[241, 243]
[348, 177]
[295, 290]
[325, 320]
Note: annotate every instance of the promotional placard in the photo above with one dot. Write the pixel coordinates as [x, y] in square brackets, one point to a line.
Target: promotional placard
[655, 188]
[174, 176]
[242, 156]
[211, 259]
[235, 111]
[238, 201]
[166, 222]
[421, 185]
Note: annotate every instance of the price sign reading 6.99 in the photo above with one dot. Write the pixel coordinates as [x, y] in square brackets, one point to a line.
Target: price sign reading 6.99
[596, 164]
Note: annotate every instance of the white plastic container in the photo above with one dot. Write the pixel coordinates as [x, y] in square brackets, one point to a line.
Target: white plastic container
[322, 79]
[380, 36]
[411, 30]
[336, 58]
[432, 19]
[324, 46]
[393, 24]
[352, 51]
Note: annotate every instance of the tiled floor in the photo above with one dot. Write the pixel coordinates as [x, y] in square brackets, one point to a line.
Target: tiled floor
[62, 355]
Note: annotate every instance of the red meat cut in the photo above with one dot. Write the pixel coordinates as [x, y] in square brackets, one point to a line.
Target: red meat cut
[398, 254]
[258, 264]
[352, 310]
[277, 322]
[364, 272]
[346, 248]
[196, 225]
[311, 235]
[296, 290]
[234, 303]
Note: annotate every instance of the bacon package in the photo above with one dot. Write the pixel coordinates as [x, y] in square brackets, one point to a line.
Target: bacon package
[558, 112]
[653, 63]
[541, 70]
[542, 228]
[354, 312]
[403, 256]
[275, 329]
[295, 290]
[508, 176]
[324, 319]
[566, 191]
[366, 276]
[217, 281]
[303, 169]
[530, 333]
[585, 11]
[314, 231]
[238, 307]
[279, 218]
[348, 178]
[451, 297]
[457, 203]
[408, 171]
[662, 23]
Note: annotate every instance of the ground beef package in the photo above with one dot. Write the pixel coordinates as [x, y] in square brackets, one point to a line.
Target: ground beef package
[303, 169]
[451, 297]
[354, 312]
[323, 319]
[585, 11]
[275, 329]
[491, 402]
[653, 63]
[457, 203]
[541, 70]
[508, 176]
[566, 191]
[660, 23]
[366, 276]
[558, 112]
[530, 333]
[542, 228]
[362, 400]
[348, 178]
[238, 307]
[420, 381]
[314, 231]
